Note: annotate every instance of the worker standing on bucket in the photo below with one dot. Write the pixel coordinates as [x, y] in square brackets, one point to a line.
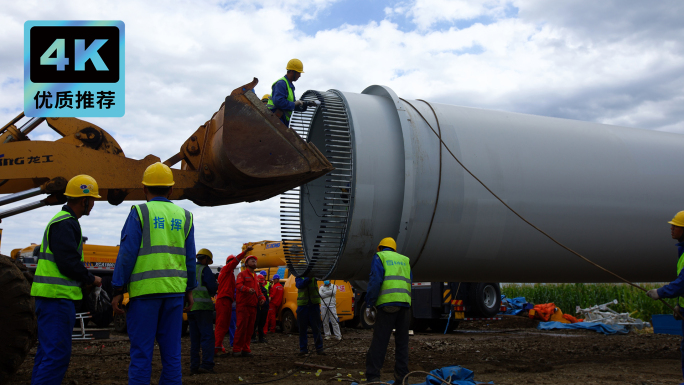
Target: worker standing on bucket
[308, 314]
[389, 290]
[675, 289]
[283, 101]
[248, 297]
[225, 301]
[156, 261]
[201, 316]
[60, 273]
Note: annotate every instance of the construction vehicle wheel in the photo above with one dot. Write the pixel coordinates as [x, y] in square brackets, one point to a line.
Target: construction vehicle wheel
[17, 318]
[289, 322]
[485, 299]
[366, 323]
[120, 322]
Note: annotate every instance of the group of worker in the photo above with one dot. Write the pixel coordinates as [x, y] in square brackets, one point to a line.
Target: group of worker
[158, 266]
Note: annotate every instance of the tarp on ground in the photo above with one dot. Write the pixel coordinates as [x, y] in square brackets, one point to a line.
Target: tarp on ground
[515, 305]
[597, 327]
[456, 375]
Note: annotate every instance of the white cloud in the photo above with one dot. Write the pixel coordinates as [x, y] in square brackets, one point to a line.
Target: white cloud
[588, 60]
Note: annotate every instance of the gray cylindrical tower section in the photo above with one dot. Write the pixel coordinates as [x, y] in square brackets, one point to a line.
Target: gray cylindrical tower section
[605, 191]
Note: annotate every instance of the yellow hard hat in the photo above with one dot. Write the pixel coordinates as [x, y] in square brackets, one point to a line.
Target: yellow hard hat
[207, 253]
[266, 97]
[82, 186]
[678, 219]
[295, 65]
[158, 174]
[388, 242]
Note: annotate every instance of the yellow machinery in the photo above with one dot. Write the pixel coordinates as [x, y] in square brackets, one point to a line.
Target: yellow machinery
[271, 258]
[242, 154]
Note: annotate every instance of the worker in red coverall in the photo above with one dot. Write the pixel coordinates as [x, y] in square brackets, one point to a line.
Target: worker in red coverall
[248, 298]
[276, 299]
[225, 298]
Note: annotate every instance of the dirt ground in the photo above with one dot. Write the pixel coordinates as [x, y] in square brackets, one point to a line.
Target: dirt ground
[511, 351]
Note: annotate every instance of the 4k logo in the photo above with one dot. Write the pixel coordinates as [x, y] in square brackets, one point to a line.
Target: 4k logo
[74, 54]
[74, 68]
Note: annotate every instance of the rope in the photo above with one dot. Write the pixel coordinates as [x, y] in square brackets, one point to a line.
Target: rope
[520, 216]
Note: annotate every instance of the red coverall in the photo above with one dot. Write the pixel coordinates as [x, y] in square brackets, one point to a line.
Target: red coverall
[246, 310]
[224, 300]
[276, 295]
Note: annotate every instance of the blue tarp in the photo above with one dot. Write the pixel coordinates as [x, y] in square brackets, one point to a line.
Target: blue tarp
[456, 375]
[515, 305]
[598, 327]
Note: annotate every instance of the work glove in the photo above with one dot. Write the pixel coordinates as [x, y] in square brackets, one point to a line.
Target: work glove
[298, 103]
[678, 313]
[653, 293]
[370, 314]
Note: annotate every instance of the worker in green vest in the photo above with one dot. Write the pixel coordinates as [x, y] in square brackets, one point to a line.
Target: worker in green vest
[675, 289]
[309, 314]
[60, 275]
[201, 317]
[282, 101]
[388, 302]
[156, 264]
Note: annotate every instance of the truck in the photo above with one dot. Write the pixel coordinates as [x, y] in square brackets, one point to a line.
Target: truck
[243, 153]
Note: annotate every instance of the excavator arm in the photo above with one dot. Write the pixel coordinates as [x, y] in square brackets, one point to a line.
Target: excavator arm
[242, 154]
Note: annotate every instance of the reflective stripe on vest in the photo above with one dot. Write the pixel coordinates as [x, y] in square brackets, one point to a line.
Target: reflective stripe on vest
[680, 265]
[309, 295]
[396, 285]
[48, 281]
[200, 294]
[290, 97]
[160, 266]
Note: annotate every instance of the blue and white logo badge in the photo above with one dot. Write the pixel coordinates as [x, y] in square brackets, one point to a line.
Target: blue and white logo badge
[74, 68]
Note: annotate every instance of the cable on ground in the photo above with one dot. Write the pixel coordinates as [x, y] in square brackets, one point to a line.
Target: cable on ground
[516, 213]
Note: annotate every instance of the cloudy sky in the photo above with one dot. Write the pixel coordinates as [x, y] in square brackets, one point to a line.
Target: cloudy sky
[616, 62]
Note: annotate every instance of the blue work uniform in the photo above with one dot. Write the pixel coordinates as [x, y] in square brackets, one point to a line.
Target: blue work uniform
[279, 97]
[385, 323]
[201, 325]
[308, 315]
[152, 316]
[56, 316]
[673, 290]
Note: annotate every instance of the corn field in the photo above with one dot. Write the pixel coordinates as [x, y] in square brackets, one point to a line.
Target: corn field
[568, 295]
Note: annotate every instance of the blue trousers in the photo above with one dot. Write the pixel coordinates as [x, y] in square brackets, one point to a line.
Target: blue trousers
[233, 326]
[149, 319]
[201, 323]
[309, 316]
[56, 319]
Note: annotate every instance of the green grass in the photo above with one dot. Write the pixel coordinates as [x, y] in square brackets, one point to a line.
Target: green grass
[568, 295]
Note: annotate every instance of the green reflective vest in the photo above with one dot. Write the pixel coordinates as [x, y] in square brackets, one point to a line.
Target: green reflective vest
[290, 97]
[200, 294]
[680, 265]
[48, 281]
[309, 295]
[396, 286]
[160, 267]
